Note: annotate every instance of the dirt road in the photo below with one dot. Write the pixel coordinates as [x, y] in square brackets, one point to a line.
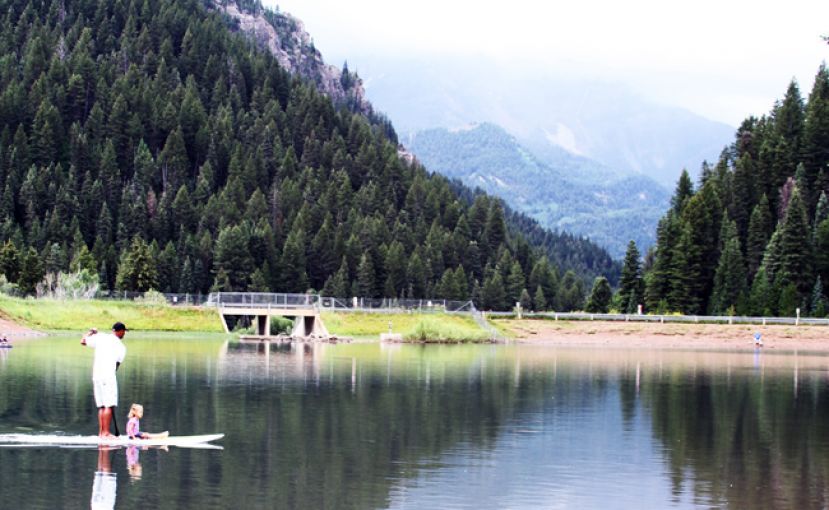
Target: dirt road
[672, 336]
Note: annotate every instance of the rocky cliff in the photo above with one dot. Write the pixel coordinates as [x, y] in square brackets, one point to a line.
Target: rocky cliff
[293, 47]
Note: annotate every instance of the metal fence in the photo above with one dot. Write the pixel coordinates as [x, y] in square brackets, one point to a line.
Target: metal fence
[262, 299]
[171, 298]
[697, 319]
[393, 304]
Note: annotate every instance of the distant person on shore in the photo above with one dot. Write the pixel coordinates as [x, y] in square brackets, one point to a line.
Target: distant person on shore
[109, 354]
[4, 340]
[758, 339]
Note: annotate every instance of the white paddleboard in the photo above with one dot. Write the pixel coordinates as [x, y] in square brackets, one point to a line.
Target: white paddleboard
[59, 440]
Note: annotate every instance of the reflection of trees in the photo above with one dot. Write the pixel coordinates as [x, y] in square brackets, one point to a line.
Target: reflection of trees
[745, 438]
[298, 433]
[322, 444]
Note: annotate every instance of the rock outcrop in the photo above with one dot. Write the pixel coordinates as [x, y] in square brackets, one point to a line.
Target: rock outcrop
[285, 37]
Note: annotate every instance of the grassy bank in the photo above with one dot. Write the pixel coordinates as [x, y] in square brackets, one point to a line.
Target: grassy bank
[413, 327]
[80, 315]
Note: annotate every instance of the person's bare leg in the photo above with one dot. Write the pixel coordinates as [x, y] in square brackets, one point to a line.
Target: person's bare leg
[101, 421]
[106, 421]
[104, 464]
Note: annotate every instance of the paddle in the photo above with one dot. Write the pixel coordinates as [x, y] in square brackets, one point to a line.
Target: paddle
[115, 423]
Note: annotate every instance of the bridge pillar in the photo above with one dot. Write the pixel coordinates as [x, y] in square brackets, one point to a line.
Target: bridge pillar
[263, 325]
[309, 326]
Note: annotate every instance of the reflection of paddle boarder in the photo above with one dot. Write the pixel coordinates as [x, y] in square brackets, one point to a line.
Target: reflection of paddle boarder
[105, 483]
[133, 466]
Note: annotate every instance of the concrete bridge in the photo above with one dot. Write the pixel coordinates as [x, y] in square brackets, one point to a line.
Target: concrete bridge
[304, 309]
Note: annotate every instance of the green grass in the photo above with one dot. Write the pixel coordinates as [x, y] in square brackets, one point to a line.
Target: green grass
[80, 315]
[413, 327]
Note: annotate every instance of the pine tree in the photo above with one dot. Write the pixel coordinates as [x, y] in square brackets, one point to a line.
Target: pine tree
[167, 268]
[795, 246]
[525, 300]
[631, 283]
[815, 141]
[174, 162]
[462, 283]
[684, 191]
[730, 277]
[495, 232]
[600, 296]
[789, 300]
[137, 270]
[416, 275]
[822, 209]
[744, 193]
[658, 282]
[759, 230]
[232, 256]
[539, 300]
[493, 294]
[293, 262]
[186, 282]
[761, 300]
[515, 282]
[365, 277]
[31, 272]
[822, 249]
[570, 292]
[694, 259]
[10, 261]
[817, 304]
[337, 284]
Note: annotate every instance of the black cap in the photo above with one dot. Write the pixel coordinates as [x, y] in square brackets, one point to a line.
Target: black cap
[119, 326]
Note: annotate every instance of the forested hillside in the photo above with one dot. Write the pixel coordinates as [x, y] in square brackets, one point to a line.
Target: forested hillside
[147, 144]
[752, 236]
[608, 210]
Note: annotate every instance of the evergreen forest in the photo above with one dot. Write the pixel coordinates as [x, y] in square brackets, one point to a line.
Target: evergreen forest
[751, 237]
[147, 144]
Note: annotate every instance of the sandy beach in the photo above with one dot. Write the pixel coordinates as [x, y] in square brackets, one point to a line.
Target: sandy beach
[667, 336]
[15, 331]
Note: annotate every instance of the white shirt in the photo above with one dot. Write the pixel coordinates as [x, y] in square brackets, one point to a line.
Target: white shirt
[109, 350]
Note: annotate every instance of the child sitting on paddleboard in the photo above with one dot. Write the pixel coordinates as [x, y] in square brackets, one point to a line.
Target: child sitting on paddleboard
[133, 425]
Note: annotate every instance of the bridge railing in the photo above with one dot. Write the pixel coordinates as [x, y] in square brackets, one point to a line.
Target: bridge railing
[395, 304]
[273, 300]
[262, 300]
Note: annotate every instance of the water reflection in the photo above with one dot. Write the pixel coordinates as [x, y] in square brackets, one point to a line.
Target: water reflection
[371, 426]
[105, 482]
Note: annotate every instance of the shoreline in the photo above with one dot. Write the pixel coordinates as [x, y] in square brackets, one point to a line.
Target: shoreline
[15, 331]
[643, 335]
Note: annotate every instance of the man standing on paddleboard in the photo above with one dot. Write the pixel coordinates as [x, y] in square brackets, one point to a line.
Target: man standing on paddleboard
[109, 353]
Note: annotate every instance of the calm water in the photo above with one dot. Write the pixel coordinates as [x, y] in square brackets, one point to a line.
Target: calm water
[373, 426]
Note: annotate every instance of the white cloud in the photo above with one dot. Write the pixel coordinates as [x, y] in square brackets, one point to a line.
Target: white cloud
[724, 59]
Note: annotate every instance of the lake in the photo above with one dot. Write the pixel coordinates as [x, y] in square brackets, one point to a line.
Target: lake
[367, 426]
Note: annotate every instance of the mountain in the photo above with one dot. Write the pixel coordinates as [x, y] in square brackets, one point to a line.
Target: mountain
[597, 119]
[160, 144]
[562, 197]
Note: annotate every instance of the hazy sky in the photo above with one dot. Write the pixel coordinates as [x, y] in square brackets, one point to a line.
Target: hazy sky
[723, 59]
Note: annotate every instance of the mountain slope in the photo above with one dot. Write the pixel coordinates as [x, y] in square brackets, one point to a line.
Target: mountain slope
[485, 156]
[150, 144]
[599, 120]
